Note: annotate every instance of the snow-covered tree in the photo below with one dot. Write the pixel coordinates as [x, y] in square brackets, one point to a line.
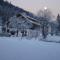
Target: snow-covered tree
[46, 18]
[45, 13]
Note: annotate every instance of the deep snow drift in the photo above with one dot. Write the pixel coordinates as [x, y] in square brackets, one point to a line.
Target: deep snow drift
[16, 49]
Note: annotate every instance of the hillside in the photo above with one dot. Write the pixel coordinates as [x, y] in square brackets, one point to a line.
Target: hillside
[7, 10]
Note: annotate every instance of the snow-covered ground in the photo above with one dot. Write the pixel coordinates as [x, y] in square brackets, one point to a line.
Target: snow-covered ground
[15, 48]
[49, 38]
[53, 38]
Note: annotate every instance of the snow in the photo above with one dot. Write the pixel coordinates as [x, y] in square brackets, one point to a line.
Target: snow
[53, 38]
[15, 48]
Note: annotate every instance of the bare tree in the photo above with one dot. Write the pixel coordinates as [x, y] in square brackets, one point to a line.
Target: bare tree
[46, 17]
[45, 13]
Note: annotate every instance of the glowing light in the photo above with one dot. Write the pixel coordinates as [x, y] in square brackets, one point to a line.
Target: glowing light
[45, 8]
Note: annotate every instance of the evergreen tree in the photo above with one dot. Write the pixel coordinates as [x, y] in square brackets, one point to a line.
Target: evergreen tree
[58, 20]
[1, 2]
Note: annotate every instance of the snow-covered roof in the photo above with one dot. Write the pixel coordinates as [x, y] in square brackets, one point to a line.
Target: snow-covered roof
[20, 22]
